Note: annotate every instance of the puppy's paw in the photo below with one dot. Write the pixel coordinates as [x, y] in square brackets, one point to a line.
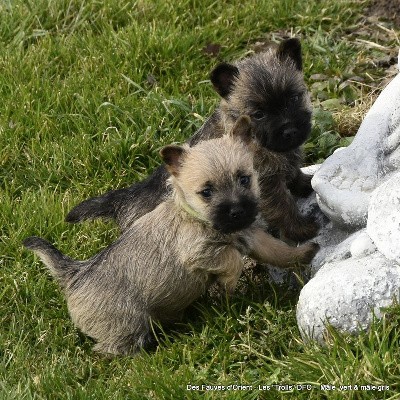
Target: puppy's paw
[302, 186]
[227, 284]
[309, 251]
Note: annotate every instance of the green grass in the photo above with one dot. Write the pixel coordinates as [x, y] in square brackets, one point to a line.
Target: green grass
[90, 91]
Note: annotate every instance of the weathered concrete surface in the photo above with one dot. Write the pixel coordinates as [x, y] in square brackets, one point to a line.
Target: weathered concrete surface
[383, 224]
[346, 294]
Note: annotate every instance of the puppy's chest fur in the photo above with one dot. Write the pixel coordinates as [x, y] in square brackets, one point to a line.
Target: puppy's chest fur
[205, 252]
[172, 259]
[270, 164]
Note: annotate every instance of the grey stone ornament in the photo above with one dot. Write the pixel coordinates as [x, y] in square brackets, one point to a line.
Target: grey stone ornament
[357, 271]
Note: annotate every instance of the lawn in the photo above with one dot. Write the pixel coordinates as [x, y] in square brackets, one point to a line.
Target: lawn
[90, 91]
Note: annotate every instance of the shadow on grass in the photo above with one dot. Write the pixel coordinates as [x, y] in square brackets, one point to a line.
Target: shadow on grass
[259, 305]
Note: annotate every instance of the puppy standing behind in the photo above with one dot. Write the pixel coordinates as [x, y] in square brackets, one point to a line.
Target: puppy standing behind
[170, 256]
[270, 88]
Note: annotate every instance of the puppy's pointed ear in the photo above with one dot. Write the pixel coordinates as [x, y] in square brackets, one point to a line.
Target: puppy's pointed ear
[172, 156]
[291, 48]
[243, 129]
[223, 78]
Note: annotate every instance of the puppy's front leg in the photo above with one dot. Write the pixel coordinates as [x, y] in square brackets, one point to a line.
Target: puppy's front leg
[279, 209]
[229, 271]
[301, 184]
[266, 249]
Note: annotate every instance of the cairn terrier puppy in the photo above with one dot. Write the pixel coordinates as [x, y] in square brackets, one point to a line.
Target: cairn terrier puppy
[169, 257]
[270, 88]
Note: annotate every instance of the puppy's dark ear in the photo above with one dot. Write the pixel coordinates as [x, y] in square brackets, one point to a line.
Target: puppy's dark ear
[172, 156]
[223, 78]
[243, 129]
[291, 48]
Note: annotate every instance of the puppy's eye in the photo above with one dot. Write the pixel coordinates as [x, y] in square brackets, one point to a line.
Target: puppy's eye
[245, 180]
[206, 193]
[259, 114]
[295, 98]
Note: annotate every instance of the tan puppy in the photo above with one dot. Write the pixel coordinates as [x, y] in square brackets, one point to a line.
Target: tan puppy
[170, 256]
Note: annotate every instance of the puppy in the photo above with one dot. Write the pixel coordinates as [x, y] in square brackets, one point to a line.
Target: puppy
[170, 256]
[270, 88]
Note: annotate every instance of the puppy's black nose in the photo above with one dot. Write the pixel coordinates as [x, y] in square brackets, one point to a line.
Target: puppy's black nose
[289, 133]
[236, 211]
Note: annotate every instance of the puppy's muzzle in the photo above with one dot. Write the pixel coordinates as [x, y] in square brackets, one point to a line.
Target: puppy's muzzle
[230, 217]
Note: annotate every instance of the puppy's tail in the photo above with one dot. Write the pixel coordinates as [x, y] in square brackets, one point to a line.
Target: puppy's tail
[62, 267]
[105, 206]
[127, 204]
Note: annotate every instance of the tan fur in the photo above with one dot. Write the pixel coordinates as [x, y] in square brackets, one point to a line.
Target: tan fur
[170, 256]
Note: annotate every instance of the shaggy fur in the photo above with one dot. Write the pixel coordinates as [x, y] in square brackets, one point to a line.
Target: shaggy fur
[170, 256]
[269, 87]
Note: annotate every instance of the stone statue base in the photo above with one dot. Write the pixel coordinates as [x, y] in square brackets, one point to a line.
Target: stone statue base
[357, 271]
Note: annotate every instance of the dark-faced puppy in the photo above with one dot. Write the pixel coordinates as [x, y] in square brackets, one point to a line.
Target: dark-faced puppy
[270, 88]
[170, 256]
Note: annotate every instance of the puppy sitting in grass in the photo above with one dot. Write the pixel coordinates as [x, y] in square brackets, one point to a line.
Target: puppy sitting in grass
[170, 256]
